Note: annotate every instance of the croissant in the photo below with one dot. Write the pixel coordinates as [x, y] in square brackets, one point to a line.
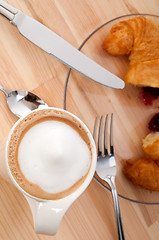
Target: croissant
[144, 173]
[151, 145]
[138, 38]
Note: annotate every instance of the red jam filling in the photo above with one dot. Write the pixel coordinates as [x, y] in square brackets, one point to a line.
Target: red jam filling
[154, 123]
[149, 94]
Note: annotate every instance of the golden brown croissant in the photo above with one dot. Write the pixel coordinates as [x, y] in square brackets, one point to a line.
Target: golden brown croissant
[144, 173]
[138, 38]
[151, 145]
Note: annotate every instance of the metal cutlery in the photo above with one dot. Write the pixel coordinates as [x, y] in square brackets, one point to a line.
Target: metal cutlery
[22, 102]
[106, 164]
[54, 45]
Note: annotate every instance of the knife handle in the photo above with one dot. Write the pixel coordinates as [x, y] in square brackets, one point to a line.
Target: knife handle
[7, 10]
[8, 7]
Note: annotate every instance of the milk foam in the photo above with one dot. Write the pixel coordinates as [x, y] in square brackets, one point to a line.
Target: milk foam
[53, 155]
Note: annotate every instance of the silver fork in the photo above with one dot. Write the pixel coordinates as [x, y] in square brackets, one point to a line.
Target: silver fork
[106, 164]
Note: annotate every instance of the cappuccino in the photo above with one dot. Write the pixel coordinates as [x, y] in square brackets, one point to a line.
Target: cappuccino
[49, 154]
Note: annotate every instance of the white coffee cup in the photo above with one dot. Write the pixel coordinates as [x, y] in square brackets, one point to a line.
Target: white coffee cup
[47, 214]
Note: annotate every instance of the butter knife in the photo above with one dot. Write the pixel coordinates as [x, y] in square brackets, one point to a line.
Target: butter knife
[54, 45]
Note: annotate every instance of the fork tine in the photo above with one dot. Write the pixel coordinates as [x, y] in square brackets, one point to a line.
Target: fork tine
[95, 131]
[111, 136]
[106, 136]
[100, 137]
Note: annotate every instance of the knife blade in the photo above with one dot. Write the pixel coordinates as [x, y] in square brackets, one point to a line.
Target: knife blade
[56, 46]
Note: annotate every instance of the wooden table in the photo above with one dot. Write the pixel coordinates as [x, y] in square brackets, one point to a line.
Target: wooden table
[25, 66]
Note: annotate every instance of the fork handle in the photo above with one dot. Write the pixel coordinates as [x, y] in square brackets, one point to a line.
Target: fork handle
[111, 182]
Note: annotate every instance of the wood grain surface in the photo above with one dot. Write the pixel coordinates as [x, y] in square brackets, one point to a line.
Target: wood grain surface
[25, 66]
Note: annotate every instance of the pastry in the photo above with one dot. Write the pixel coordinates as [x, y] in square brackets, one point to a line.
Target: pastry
[144, 173]
[151, 141]
[151, 145]
[138, 38]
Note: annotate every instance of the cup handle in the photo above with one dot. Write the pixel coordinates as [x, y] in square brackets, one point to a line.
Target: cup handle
[47, 215]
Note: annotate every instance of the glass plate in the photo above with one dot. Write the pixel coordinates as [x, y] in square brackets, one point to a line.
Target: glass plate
[88, 99]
